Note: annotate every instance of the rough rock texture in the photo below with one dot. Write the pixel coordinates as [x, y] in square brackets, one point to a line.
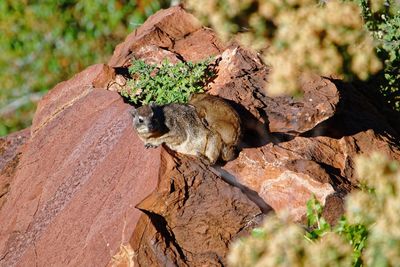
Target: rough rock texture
[240, 72]
[72, 199]
[172, 33]
[73, 181]
[10, 151]
[312, 142]
[191, 217]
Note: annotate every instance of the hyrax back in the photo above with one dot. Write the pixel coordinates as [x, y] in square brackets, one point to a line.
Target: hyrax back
[179, 127]
[221, 118]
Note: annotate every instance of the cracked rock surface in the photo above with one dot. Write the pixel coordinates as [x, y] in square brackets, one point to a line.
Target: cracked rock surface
[79, 189]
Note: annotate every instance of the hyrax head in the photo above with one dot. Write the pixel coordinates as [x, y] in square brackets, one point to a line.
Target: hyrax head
[146, 119]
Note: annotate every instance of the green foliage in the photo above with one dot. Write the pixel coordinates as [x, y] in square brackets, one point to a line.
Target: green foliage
[45, 42]
[383, 21]
[166, 83]
[258, 232]
[355, 234]
[317, 225]
[378, 209]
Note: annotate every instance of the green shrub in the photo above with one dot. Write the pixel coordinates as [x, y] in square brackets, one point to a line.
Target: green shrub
[383, 21]
[166, 83]
[317, 227]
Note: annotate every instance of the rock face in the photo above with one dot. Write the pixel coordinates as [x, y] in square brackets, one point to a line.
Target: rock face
[79, 189]
[72, 199]
[10, 151]
[191, 217]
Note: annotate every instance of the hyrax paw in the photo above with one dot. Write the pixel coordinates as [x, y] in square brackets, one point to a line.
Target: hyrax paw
[149, 146]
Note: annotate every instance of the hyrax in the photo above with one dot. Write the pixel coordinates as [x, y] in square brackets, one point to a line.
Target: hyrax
[184, 129]
[178, 127]
[221, 118]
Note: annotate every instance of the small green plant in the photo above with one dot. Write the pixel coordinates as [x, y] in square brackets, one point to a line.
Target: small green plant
[316, 224]
[166, 83]
[355, 234]
[279, 242]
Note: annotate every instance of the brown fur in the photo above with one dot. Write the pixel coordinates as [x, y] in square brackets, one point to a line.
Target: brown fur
[220, 118]
[179, 127]
[208, 128]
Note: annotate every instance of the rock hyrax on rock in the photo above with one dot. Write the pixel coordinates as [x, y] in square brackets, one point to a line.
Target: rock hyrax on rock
[190, 128]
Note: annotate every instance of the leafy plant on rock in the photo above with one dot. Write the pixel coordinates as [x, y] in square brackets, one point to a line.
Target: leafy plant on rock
[166, 83]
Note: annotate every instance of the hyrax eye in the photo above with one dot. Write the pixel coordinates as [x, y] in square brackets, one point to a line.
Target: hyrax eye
[140, 120]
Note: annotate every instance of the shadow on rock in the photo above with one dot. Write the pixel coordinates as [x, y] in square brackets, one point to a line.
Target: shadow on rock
[254, 132]
[356, 113]
[251, 194]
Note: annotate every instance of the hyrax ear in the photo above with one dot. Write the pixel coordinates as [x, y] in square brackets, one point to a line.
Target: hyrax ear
[133, 112]
[196, 96]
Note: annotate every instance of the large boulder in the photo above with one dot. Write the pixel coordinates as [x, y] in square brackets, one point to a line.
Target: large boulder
[72, 199]
[79, 189]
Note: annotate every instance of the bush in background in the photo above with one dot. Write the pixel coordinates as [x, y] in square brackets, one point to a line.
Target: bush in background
[45, 42]
[382, 19]
[324, 37]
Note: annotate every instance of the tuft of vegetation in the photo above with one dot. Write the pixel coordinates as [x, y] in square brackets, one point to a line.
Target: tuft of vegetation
[317, 227]
[166, 83]
[382, 19]
[367, 235]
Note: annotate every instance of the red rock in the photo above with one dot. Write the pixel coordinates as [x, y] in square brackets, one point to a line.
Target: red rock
[72, 200]
[154, 55]
[11, 148]
[242, 78]
[199, 45]
[288, 174]
[191, 217]
[161, 30]
[71, 91]
[106, 75]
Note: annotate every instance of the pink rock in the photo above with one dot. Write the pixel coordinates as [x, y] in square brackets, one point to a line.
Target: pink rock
[162, 29]
[72, 200]
[11, 148]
